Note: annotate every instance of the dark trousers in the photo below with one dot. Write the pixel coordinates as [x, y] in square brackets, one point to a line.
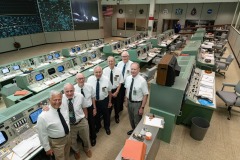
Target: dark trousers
[91, 123]
[102, 109]
[116, 104]
[121, 97]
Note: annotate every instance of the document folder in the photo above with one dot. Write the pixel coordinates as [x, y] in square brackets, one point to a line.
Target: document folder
[134, 150]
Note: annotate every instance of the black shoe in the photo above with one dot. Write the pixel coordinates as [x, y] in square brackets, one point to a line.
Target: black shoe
[117, 120]
[130, 132]
[93, 142]
[108, 131]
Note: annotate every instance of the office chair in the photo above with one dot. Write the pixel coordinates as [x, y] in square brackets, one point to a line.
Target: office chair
[149, 74]
[230, 99]
[223, 64]
[220, 53]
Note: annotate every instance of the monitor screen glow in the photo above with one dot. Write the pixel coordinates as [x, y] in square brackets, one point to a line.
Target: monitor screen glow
[34, 115]
[39, 77]
[60, 68]
[84, 59]
[78, 49]
[2, 138]
[73, 50]
[15, 68]
[50, 57]
[57, 55]
[5, 70]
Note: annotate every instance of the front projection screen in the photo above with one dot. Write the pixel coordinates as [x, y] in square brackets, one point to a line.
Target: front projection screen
[85, 14]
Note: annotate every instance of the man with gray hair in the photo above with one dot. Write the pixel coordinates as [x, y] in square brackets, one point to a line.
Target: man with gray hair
[102, 86]
[53, 128]
[75, 104]
[124, 67]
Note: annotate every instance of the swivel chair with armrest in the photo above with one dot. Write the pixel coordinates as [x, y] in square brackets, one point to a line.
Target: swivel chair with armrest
[149, 74]
[223, 64]
[230, 99]
[218, 55]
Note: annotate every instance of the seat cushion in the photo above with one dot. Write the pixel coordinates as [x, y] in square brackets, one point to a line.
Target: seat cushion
[228, 97]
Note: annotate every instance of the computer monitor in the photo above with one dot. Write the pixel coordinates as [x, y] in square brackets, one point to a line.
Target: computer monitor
[84, 59]
[51, 71]
[16, 67]
[129, 41]
[126, 43]
[60, 68]
[73, 50]
[93, 55]
[5, 70]
[50, 57]
[114, 47]
[34, 115]
[78, 49]
[2, 138]
[139, 53]
[39, 77]
[57, 55]
[119, 46]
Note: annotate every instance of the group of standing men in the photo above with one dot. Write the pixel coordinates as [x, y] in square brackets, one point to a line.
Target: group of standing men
[78, 111]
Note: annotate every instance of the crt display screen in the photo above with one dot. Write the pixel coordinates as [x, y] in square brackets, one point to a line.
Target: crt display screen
[93, 55]
[138, 53]
[84, 59]
[60, 68]
[2, 138]
[126, 42]
[119, 45]
[78, 48]
[5, 70]
[15, 68]
[73, 50]
[114, 47]
[51, 71]
[34, 115]
[129, 41]
[39, 77]
[50, 57]
[57, 55]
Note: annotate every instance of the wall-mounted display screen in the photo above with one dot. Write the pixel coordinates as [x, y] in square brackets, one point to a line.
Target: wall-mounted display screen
[84, 59]
[51, 71]
[57, 55]
[85, 14]
[16, 67]
[50, 57]
[60, 68]
[34, 115]
[2, 138]
[39, 77]
[5, 70]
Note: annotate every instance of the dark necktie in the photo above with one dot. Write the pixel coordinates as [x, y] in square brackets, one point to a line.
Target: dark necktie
[71, 112]
[97, 90]
[64, 124]
[123, 71]
[82, 92]
[130, 92]
[111, 76]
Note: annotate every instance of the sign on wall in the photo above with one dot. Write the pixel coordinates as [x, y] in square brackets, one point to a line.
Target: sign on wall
[179, 11]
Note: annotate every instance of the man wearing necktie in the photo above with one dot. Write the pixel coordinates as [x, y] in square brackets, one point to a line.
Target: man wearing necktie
[137, 94]
[53, 128]
[76, 106]
[89, 94]
[116, 80]
[124, 67]
[103, 87]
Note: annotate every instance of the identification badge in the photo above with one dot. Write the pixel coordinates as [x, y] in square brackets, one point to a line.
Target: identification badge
[134, 92]
[128, 71]
[104, 89]
[115, 78]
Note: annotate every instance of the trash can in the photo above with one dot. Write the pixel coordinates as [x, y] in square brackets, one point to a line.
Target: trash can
[199, 128]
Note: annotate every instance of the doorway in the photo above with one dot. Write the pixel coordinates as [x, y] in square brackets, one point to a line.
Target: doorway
[107, 26]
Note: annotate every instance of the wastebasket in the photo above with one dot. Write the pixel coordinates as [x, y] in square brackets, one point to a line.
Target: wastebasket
[199, 128]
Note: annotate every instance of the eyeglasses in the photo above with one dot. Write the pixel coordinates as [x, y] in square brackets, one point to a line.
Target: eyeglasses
[124, 56]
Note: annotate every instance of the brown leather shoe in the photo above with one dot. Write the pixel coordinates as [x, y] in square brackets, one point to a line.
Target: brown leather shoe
[77, 155]
[88, 153]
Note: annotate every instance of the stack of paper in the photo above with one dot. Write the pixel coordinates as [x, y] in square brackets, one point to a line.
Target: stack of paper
[155, 122]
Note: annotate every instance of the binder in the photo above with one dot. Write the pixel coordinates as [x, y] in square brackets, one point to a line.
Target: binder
[134, 150]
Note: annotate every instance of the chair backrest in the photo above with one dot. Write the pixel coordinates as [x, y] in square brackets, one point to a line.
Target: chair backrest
[230, 58]
[237, 87]
[151, 72]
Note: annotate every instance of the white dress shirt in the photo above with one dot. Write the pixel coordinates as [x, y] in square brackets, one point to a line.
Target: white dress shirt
[117, 76]
[140, 87]
[79, 103]
[105, 86]
[49, 125]
[127, 69]
[88, 91]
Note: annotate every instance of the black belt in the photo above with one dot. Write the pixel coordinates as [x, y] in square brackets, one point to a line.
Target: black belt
[59, 137]
[77, 122]
[135, 101]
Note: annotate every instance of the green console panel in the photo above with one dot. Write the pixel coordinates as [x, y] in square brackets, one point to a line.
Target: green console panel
[192, 48]
[167, 131]
[198, 36]
[201, 30]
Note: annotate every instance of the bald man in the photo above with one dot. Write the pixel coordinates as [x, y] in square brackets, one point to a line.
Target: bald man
[136, 93]
[89, 94]
[102, 87]
[116, 79]
[124, 67]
